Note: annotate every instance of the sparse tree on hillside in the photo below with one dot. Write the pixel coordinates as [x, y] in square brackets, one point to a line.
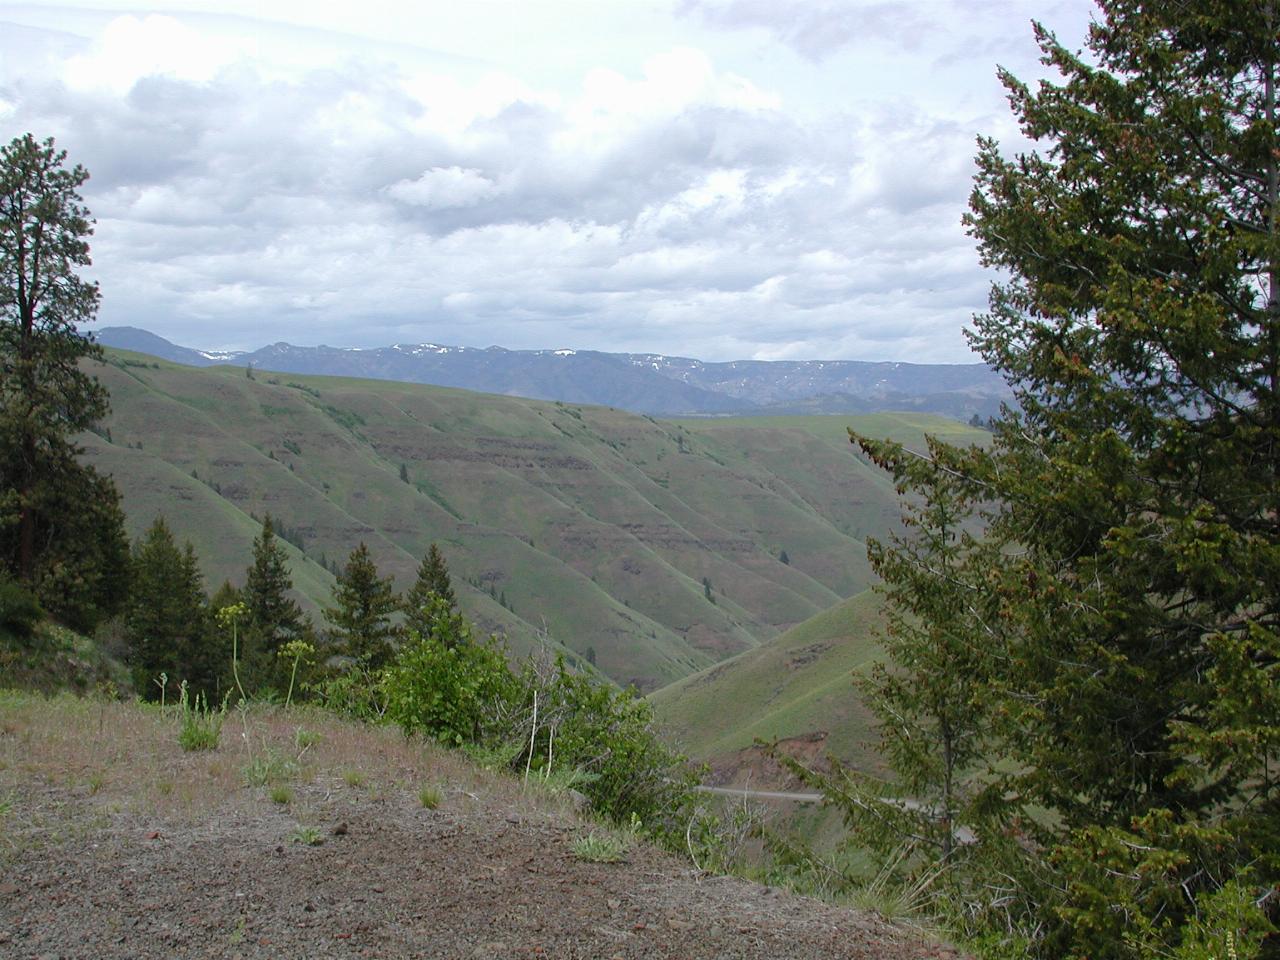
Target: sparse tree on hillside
[361, 615]
[166, 622]
[433, 583]
[61, 530]
[274, 618]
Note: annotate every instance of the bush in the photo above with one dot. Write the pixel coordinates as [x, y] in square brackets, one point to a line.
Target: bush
[447, 686]
[545, 722]
[357, 694]
[623, 767]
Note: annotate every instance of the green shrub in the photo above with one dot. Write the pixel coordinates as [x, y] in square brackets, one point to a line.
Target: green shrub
[606, 736]
[448, 686]
[547, 723]
[356, 694]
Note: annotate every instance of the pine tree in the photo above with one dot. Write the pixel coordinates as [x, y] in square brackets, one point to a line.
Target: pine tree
[1131, 608]
[166, 621]
[931, 698]
[61, 530]
[433, 582]
[361, 615]
[273, 618]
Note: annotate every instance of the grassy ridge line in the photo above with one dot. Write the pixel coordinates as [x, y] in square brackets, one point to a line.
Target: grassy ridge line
[346, 476]
[793, 685]
[595, 525]
[223, 532]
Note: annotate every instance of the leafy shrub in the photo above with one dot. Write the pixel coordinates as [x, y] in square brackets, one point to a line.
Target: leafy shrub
[624, 768]
[356, 694]
[546, 722]
[447, 686]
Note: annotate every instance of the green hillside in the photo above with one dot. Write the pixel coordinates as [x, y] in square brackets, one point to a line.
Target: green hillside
[599, 529]
[796, 686]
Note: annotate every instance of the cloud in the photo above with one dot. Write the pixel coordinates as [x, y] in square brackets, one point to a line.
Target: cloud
[442, 188]
[674, 206]
[819, 28]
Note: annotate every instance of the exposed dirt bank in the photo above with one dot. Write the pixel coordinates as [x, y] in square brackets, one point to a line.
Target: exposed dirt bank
[115, 843]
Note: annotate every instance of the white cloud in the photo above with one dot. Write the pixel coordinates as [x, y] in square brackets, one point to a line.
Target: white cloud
[443, 187]
[131, 48]
[258, 182]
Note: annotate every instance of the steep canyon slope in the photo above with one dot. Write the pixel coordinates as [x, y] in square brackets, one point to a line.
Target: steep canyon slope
[653, 549]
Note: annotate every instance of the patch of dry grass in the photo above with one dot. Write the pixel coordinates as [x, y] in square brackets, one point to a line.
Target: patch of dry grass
[69, 765]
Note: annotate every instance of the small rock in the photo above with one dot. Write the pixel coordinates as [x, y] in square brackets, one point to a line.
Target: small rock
[675, 924]
[340, 830]
[613, 903]
[8, 889]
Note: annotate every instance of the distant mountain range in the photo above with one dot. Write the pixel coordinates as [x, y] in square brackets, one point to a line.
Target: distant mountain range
[638, 382]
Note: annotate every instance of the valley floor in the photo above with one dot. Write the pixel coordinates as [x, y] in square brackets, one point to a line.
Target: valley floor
[115, 843]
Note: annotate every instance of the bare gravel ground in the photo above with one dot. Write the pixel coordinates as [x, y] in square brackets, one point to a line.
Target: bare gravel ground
[116, 843]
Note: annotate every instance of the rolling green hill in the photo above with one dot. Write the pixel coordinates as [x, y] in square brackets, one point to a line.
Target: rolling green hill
[599, 529]
[797, 687]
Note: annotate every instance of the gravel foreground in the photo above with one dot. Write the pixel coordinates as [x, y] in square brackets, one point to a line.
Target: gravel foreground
[159, 854]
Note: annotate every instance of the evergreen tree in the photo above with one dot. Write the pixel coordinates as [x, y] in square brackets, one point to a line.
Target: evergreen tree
[432, 583]
[273, 618]
[166, 621]
[931, 699]
[1131, 608]
[361, 616]
[61, 530]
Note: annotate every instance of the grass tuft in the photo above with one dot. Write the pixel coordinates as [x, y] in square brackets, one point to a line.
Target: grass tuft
[430, 797]
[599, 848]
[269, 768]
[307, 836]
[201, 726]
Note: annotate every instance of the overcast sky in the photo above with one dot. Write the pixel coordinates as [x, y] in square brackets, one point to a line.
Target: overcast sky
[721, 179]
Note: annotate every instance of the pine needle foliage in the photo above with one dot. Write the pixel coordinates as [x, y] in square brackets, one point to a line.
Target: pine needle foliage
[1111, 648]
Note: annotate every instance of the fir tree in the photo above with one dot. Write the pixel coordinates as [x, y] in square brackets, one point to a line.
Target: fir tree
[433, 582]
[361, 615]
[273, 618]
[166, 620]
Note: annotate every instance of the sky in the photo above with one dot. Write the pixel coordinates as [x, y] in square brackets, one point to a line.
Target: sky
[720, 179]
